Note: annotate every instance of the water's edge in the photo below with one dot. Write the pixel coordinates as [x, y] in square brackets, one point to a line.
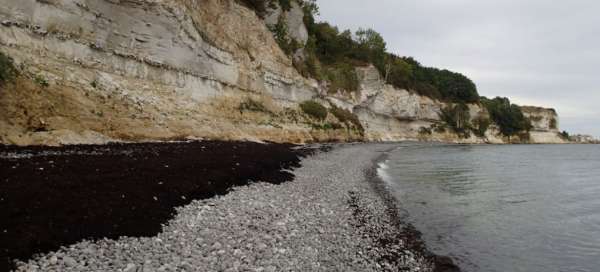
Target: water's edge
[411, 236]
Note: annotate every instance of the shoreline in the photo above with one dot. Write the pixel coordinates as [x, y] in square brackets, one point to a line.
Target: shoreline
[58, 196]
[335, 214]
[404, 231]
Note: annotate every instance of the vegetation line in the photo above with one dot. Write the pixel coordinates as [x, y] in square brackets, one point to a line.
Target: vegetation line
[331, 55]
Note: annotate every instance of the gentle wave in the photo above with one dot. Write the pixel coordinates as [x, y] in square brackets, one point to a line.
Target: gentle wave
[502, 208]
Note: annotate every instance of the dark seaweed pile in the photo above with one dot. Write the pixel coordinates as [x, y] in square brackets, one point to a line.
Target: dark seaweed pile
[56, 196]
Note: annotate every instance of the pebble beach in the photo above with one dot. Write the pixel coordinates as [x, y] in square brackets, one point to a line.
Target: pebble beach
[333, 216]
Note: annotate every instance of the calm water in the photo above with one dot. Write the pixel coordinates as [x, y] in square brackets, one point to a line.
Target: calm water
[503, 208]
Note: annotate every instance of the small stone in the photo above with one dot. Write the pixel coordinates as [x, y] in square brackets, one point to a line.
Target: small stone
[53, 260]
[69, 261]
[130, 268]
[262, 246]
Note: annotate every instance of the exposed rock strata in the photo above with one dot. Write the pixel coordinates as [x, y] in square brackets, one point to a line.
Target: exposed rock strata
[545, 124]
[170, 69]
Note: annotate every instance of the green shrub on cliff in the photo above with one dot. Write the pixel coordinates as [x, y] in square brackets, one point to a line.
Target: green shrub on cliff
[341, 77]
[8, 72]
[425, 131]
[331, 47]
[347, 117]
[252, 105]
[314, 109]
[335, 48]
[261, 6]
[440, 84]
[509, 117]
[480, 126]
[331, 55]
[285, 4]
[280, 33]
[41, 80]
[457, 117]
[327, 126]
[399, 72]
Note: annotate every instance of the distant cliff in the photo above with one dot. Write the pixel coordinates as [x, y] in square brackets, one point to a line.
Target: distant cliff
[544, 125]
[94, 71]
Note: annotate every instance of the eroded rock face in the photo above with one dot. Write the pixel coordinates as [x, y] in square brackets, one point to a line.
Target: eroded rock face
[542, 119]
[384, 99]
[545, 125]
[143, 70]
[293, 19]
[393, 114]
[172, 69]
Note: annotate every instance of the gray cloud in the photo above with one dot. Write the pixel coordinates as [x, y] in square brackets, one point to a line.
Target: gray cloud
[536, 52]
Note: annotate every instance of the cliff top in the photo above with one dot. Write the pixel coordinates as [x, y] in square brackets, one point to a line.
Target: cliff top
[536, 109]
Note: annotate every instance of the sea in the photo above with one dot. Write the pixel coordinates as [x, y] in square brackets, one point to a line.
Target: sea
[505, 208]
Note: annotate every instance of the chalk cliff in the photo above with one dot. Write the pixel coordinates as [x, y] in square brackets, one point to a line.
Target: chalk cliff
[544, 125]
[139, 70]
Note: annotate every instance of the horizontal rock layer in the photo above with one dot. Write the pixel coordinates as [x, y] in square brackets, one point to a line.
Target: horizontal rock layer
[171, 69]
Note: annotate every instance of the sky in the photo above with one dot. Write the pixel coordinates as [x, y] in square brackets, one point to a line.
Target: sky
[536, 52]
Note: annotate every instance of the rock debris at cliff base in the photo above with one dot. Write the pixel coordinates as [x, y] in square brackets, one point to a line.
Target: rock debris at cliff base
[308, 224]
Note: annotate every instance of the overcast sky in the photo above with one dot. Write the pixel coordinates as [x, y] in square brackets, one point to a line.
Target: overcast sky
[536, 52]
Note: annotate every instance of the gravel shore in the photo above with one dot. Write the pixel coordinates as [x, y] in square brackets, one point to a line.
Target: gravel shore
[330, 218]
[52, 197]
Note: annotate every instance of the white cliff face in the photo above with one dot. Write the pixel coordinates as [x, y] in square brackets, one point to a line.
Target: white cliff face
[141, 70]
[384, 99]
[393, 114]
[171, 69]
[544, 125]
[542, 119]
[293, 19]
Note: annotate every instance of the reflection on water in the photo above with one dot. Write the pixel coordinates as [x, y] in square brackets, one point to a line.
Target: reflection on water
[503, 208]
